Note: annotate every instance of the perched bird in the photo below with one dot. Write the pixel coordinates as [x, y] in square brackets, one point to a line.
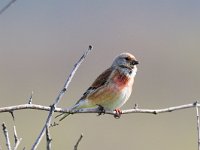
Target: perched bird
[112, 88]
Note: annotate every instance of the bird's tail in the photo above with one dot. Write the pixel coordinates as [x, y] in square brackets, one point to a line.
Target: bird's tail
[62, 115]
[65, 114]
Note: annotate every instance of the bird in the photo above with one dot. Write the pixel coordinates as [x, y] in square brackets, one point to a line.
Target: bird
[111, 89]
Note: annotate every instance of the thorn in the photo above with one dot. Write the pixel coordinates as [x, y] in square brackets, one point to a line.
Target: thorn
[12, 114]
[195, 103]
[54, 124]
[31, 98]
[136, 106]
[155, 112]
[90, 47]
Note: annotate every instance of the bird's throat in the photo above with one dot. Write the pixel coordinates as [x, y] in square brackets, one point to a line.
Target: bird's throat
[121, 79]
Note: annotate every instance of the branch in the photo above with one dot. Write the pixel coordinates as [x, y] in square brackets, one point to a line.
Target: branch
[198, 131]
[136, 110]
[96, 110]
[77, 143]
[17, 140]
[48, 139]
[6, 136]
[60, 95]
[7, 6]
[27, 106]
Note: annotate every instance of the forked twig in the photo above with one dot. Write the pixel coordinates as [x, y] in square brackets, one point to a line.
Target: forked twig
[60, 95]
[17, 140]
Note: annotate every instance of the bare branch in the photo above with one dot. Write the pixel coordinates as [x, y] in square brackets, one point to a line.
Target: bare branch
[60, 95]
[6, 136]
[197, 113]
[136, 110]
[48, 139]
[77, 143]
[17, 140]
[15, 134]
[157, 111]
[96, 110]
[7, 6]
[27, 106]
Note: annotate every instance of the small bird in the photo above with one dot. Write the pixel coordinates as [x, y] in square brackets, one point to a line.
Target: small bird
[112, 88]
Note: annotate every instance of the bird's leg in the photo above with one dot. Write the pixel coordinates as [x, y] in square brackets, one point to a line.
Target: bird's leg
[118, 113]
[101, 109]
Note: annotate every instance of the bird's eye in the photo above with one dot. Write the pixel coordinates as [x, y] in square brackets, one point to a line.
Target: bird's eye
[127, 58]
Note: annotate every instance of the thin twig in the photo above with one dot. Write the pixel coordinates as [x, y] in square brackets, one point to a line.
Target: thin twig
[30, 98]
[60, 95]
[5, 131]
[48, 139]
[15, 134]
[157, 111]
[17, 140]
[7, 6]
[77, 143]
[198, 131]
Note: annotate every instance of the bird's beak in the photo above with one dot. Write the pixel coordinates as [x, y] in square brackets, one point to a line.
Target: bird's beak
[135, 62]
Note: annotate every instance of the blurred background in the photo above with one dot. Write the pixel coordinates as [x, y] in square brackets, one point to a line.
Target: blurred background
[41, 40]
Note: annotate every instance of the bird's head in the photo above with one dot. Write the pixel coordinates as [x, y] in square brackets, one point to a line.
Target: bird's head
[125, 60]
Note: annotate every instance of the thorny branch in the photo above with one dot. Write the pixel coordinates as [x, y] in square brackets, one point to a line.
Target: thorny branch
[17, 140]
[53, 108]
[96, 110]
[58, 98]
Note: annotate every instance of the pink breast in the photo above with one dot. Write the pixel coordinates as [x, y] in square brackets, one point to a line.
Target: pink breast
[121, 80]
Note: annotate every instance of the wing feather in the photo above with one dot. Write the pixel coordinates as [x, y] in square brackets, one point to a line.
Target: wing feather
[99, 82]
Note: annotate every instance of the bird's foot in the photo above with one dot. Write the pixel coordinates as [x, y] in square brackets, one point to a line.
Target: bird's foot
[101, 109]
[118, 113]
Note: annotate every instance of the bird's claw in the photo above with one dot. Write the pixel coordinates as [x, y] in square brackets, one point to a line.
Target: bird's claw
[118, 113]
[101, 109]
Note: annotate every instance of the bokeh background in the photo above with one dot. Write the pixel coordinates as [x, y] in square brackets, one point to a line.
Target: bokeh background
[41, 40]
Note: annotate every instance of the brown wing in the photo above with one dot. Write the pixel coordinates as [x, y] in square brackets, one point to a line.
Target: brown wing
[102, 78]
[100, 81]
